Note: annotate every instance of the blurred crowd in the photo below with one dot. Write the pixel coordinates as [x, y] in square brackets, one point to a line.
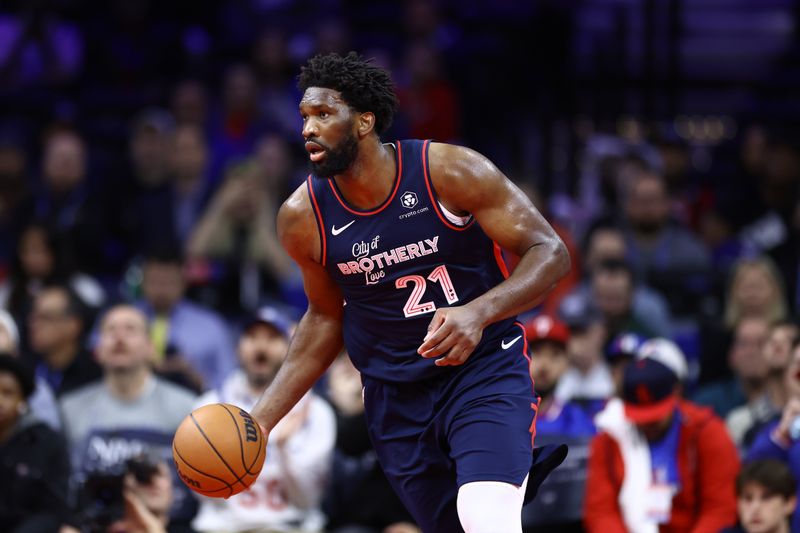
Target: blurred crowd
[144, 151]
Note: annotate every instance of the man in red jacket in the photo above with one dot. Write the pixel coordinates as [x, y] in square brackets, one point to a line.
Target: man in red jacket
[659, 464]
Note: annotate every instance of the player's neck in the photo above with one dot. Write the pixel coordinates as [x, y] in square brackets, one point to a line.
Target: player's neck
[370, 179]
[128, 384]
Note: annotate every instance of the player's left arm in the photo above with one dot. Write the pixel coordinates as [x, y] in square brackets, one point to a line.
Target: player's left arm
[468, 182]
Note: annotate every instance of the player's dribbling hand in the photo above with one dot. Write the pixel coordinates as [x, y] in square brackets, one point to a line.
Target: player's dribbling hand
[454, 332]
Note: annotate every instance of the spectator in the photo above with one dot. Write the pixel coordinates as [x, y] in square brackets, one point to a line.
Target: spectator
[779, 438]
[67, 204]
[192, 343]
[548, 338]
[148, 148]
[429, 100]
[288, 492]
[359, 498]
[606, 242]
[664, 254]
[56, 336]
[41, 260]
[559, 502]
[42, 403]
[765, 492]
[746, 359]
[16, 202]
[275, 73]
[612, 294]
[238, 231]
[588, 379]
[137, 499]
[39, 49]
[745, 421]
[129, 412]
[189, 103]
[34, 464]
[168, 214]
[756, 289]
[239, 124]
[279, 168]
[608, 165]
[619, 353]
[660, 463]
[667, 353]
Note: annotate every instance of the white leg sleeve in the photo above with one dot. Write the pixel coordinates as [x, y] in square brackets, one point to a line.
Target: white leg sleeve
[491, 507]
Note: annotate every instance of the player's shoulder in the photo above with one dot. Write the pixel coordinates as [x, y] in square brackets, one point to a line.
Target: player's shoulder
[453, 158]
[296, 223]
[458, 164]
[462, 177]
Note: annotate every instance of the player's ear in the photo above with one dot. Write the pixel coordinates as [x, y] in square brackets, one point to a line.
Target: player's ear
[366, 123]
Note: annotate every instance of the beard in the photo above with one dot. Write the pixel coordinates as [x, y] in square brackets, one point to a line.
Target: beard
[338, 159]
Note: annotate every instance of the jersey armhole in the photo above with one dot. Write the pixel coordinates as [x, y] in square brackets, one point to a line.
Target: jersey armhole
[449, 219]
[323, 245]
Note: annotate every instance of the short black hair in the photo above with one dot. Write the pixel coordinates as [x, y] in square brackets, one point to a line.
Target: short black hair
[75, 307]
[165, 254]
[11, 365]
[773, 475]
[363, 85]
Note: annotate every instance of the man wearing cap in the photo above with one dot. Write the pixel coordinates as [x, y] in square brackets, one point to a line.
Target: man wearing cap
[659, 463]
[588, 379]
[287, 495]
[620, 352]
[557, 422]
[548, 339]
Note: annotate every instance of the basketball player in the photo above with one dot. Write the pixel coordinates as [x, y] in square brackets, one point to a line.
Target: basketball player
[399, 246]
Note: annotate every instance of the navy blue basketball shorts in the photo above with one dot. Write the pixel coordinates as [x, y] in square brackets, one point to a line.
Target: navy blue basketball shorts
[474, 423]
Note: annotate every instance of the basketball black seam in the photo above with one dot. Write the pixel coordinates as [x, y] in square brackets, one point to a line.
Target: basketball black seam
[203, 433]
[239, 434]
[261, 446]
[256, 460]
[187, 463]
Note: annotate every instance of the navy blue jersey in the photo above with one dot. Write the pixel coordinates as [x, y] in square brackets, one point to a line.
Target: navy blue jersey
[399, 262]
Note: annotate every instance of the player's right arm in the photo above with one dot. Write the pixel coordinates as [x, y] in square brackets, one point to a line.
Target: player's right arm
[318, 337]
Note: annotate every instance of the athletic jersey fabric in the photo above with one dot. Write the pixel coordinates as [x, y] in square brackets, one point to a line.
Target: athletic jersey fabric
[399, 262]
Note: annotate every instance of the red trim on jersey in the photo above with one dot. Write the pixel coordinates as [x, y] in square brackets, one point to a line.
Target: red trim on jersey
[399, 171]
[534, 405]
[434, 200]
[323, 244]
[498, 256]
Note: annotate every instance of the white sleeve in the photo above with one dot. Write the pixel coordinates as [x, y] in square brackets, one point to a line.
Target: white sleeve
[309, 452]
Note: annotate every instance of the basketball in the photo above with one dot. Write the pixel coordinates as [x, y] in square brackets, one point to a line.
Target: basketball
[218, 450]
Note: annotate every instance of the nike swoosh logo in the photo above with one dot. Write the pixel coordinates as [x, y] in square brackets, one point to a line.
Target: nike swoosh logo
[506, 345]
[336, 231]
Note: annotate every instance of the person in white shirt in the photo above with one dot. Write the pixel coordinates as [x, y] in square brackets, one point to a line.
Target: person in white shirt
[287, 495]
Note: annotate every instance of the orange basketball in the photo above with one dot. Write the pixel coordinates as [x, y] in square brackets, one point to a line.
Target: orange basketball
[219, 450]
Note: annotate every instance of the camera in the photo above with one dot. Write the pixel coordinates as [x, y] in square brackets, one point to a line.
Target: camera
[100, 501]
